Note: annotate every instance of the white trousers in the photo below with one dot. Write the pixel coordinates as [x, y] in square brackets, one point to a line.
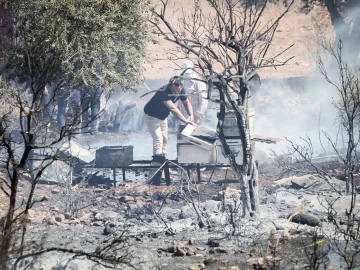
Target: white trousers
[159, 132]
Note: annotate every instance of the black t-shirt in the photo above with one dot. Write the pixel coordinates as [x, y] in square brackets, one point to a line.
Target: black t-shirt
[156, 107]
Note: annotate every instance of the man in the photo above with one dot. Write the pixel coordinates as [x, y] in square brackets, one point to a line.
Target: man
[158, 108]
[195, 89]
[68, 103]
[90, 98]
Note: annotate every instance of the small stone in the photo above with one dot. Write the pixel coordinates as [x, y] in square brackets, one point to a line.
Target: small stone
[171, 218]
[49, 221]
[158, 196]
[200, 266]
[98, 217]
[229, 268]
[97, 224]
[221, 250]
[55, 191]
[60, 218]
[68, 216]
[137, 238]
[182, 215]
[86, 220]
[74, 222]
[213, 243]
[126, 199]
[210, 260]
[109, 228]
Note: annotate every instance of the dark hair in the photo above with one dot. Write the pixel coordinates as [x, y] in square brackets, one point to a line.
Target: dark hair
[176, 80]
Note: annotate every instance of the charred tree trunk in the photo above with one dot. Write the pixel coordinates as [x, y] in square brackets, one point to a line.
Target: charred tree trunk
[247, 172]
[350, 35]
[9, 226]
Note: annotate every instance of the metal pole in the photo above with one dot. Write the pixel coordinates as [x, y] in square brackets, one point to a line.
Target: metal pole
[114, 176]
[198, 172]
[188, 172]
[123, 173]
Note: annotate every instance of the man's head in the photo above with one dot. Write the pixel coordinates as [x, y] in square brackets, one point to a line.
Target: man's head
[187, 68]
[175, 84]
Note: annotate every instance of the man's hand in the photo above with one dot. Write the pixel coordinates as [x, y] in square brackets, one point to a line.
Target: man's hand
[191, 118]
[191, 123]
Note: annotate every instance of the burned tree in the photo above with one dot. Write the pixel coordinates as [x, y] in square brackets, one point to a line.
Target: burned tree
[230, 45]
[56, 45]
[342, 158]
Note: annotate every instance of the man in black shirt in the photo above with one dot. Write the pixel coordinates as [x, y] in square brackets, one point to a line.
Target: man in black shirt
[158, 109]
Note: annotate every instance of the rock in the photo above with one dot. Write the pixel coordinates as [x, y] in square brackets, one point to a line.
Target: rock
[192, 241]
[97, 224]
[98, 217]
[305, 181]
[86, 219]
[60, 218]
[68, 215]
[257, 263]
[200, 266]
[229, 268]
[306, 219]
[182, 215]
[158, 196]
[109, 228]
[210, 260]
[49, 220]
[213, 243]
[170, 218]
[278, 226]
[140, 201]
[180, 249]
[126, 199]
[55, 191]
[74, 222]
[221, 250]
[175, 197]
[284, 182]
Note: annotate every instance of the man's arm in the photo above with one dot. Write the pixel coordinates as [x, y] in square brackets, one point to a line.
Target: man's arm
[189, 109]
[175, 111]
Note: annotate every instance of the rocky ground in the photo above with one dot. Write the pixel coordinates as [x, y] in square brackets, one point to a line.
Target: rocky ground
[188, 226]
[159, 226]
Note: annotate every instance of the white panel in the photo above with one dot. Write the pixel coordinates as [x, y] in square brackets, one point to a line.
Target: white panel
[189, 153]
[230, 127]
[236, 148]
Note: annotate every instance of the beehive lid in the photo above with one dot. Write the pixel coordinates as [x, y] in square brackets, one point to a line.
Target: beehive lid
[200, 136]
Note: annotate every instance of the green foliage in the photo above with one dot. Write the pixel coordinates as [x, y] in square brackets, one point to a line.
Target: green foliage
[71, 41]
